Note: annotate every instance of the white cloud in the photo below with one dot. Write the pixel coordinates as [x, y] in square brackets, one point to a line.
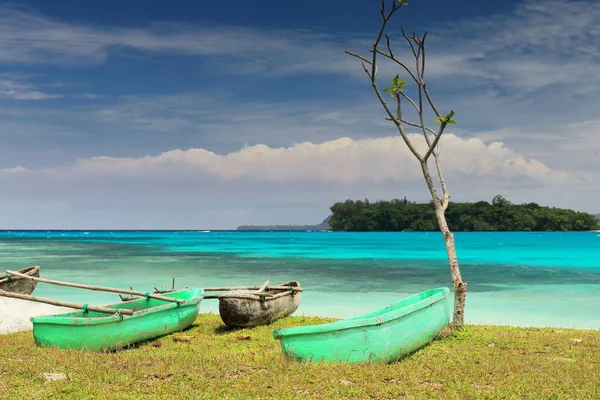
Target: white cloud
[196, 188]
[14, 170]
[31, 38]
[15, 87]
[539, 44]
[535, 45]
[88, 96]
[340, 160]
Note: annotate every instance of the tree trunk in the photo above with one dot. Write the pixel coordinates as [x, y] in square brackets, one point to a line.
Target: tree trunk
[460, 288]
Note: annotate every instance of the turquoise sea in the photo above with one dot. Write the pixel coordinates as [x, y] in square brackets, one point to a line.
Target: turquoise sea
[526, 279]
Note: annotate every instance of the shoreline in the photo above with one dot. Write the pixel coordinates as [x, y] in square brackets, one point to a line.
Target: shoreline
[515, 307]
[17, 321]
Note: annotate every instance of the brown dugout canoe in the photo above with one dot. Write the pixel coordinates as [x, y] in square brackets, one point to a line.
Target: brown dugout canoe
[246, 309]
[20, 285]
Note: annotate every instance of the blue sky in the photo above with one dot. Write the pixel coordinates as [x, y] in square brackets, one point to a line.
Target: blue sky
[196, 114]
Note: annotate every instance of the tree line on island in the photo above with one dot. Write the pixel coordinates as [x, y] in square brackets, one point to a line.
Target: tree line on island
[500, 215]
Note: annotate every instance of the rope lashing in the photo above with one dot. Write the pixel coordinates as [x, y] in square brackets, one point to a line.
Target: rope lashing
[147, 296]
[85, 308]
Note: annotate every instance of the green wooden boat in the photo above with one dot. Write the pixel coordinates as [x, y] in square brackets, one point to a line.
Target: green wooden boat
[95, 331]
[381, 336]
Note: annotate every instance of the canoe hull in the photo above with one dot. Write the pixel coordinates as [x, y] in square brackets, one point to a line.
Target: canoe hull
[382, 336]
[246, 310]
[20, 285]
[105, 332]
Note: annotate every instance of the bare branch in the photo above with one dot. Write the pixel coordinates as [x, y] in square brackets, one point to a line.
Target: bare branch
[357, 56]
[408, 39]
[433, 147]
[405, 122]
[419, 82]
[446, 198]
[366, 70]
[396, 121]
[398, 107]
[417, 64]
[423, 57]
[436, 139]
[373, 63]
[385, 17]
[430, 101]
[389, 45]
[379, 95]
[410, 100]
[430, 185]
[400, 63]
[371, 74]
[421, 74]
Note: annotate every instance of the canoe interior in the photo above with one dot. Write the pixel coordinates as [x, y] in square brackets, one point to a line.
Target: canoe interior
[251, 295]
[395, 310]
[133, 297]
[410, 301]
[20, 285]
[139, 306]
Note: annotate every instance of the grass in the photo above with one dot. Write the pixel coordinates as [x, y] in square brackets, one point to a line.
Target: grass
[214, 363]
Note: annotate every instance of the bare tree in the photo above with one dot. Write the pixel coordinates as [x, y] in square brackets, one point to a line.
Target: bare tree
[422, 105]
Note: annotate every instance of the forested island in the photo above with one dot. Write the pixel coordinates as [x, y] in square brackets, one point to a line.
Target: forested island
[500, 215]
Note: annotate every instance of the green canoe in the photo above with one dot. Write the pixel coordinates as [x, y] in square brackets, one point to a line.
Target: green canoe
[96, 331]
[381, 336]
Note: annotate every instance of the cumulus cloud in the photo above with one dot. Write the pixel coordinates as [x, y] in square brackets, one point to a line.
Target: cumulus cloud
[340, 160]
[197, 188]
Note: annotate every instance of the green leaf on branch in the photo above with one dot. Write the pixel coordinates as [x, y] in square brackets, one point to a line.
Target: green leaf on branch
[397, 86]
[447, 120]
[403, 2]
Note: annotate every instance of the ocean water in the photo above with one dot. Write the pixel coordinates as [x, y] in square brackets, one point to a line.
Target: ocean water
[524, 279]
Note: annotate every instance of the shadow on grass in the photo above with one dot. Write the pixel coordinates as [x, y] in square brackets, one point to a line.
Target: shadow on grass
[152, 341]
[223, 329]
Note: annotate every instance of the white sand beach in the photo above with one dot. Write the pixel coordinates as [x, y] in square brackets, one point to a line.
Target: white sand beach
[15, 314]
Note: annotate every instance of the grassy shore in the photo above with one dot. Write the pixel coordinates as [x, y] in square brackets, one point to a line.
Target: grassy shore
[210, 362]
